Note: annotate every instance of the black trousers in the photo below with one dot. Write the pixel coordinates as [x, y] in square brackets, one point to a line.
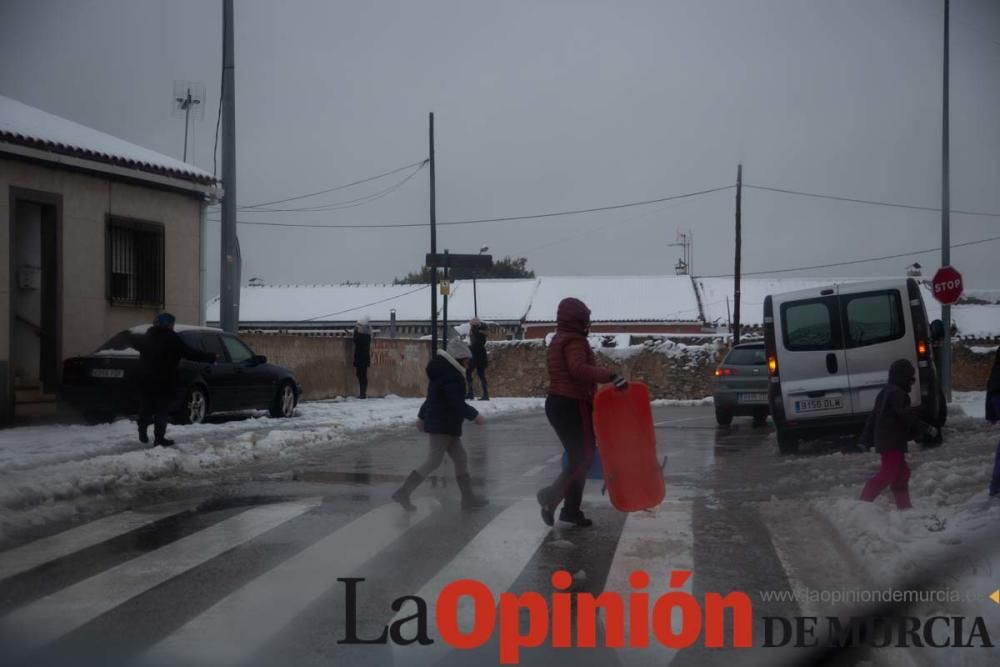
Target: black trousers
[481, 371]
[362, 373]
[154, 408]
[573, 421]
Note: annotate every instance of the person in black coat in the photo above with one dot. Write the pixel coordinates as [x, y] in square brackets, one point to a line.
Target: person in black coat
[892, 424]
[993, 416]
[161, 350]
[441, 417]
[478, 333]
[362, 354]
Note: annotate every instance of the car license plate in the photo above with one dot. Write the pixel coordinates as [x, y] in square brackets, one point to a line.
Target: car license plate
[753, 397]
[818, 404]
[107, 373]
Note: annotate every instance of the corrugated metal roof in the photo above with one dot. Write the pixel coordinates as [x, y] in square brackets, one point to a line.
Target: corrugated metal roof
[28, 126]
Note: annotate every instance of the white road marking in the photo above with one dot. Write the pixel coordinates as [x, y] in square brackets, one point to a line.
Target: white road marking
[239, 625]
[656, 542]
[62, 544]
[56, 615]
[678, 421]
[531, 472]
[495, 557]
[554, 459]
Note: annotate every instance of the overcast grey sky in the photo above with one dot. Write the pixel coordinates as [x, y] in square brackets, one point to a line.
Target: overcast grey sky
[550, 105]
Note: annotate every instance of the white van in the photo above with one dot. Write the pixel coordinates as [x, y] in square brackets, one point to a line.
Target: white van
[829, 351]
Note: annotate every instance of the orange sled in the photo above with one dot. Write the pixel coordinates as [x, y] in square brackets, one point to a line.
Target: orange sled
[623, 424]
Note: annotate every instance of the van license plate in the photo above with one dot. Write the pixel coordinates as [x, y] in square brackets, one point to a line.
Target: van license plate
[107, 373]
[818, 404]
[755, 397]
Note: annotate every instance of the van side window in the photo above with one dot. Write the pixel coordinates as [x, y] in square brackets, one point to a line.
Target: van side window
[873, 317]
[808, 325]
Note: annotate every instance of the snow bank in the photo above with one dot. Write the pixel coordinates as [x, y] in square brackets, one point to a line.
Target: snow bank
[951, 516]
[44, 470]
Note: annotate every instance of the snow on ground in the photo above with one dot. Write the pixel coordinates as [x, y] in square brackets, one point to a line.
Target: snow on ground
[683, 403]
[45, 469]
[952, 511]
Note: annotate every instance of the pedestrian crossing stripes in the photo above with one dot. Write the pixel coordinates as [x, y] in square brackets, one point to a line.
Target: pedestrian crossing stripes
[244, 622]
[48, 549]
[234, 628]
[52, 617]
[495, 557]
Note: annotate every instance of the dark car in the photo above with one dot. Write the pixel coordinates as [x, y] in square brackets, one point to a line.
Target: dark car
[104, 384]
[740, 384]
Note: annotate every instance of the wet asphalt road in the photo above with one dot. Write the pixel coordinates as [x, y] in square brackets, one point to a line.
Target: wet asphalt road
[246, 572]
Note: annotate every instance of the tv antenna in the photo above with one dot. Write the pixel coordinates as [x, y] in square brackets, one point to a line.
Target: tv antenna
[685, 265]
[189, 98]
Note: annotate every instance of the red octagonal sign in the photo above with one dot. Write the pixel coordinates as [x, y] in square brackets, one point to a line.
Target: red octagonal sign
[947, 285]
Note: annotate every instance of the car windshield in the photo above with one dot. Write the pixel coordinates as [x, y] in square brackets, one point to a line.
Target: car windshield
[746, 356]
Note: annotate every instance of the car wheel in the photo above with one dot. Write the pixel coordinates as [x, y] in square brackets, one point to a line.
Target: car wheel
[195, 406]
[95, 416]
[788, 442]
[723, 417]
[284, 401]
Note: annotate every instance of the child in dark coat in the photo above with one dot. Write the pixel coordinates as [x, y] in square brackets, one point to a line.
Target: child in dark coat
[441, 417]
[891, 425]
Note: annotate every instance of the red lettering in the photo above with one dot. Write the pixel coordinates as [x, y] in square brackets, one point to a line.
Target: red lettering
[447, 614]
[511, 639]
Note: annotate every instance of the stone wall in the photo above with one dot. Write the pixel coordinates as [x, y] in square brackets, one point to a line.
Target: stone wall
[671, 370]
[971, 366]
[517, 368]
[324, 366]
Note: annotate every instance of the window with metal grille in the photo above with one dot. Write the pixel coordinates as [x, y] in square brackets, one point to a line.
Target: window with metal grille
[134, 258]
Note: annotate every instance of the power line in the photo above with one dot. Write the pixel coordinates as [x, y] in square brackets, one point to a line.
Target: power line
[333, 206]
[334, 189]
[872, 202]
[856, 261]
[366, 305]
[535, 216]
[218, 118]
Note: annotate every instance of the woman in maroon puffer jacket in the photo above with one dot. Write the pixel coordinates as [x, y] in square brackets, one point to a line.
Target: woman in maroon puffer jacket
[573, 377]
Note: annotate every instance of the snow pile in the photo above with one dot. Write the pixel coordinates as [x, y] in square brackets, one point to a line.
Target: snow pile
[45, 467]
[683, 403]
[952, 511]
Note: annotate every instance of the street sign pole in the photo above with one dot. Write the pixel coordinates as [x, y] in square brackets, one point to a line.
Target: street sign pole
[945, 220]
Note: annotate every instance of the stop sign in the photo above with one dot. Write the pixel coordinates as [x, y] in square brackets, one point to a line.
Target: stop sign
[947, 285]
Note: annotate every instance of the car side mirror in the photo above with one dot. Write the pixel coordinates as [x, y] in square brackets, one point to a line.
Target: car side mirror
[259, 359]
[937, 330]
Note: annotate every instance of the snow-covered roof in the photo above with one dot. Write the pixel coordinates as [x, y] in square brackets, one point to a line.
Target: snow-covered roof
[498, 300]
[716, 291]
[668, 298]
[329, 303]
[28, 126]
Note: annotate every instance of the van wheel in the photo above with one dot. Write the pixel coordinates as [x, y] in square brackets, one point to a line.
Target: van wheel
[723, 417]
[788, 442]
[942, 415]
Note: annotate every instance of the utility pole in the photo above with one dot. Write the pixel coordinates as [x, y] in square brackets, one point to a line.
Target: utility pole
[433, 267]
[444, 307]
[229, 312]
[739, 246]
[945, 220]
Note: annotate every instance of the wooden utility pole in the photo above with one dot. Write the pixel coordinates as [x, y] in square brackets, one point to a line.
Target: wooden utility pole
[739, 245]
[433, 267]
